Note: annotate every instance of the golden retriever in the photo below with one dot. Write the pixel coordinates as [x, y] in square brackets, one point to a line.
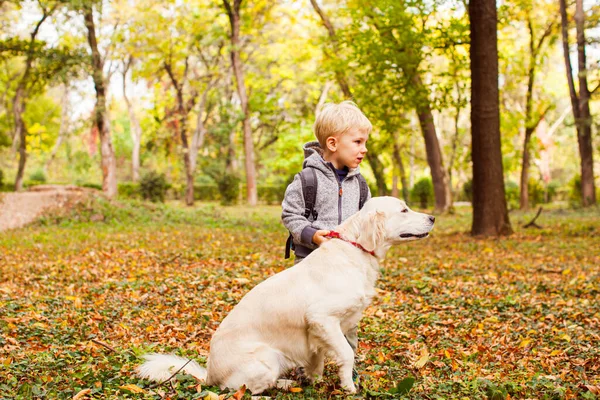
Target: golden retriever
[300, 315]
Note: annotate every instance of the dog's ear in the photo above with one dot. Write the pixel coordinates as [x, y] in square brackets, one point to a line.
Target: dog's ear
[372, 232]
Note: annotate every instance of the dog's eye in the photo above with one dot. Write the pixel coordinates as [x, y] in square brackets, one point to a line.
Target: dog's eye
[405, 210]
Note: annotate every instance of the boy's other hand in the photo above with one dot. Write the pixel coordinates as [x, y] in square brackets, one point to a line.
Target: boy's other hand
[319, 237]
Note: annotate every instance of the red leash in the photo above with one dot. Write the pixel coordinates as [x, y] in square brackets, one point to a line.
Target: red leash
[336, 235]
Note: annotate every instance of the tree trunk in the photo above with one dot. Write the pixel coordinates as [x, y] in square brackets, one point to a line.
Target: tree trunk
[490, 214]
[584, 133]
[400, 166]
[377, 169]
[439, 175]
[20, 102]
[236, 64]
[102, 121]
[581, 111]
[524, 189]
[64, 125]
[21, 134]
[135, 128]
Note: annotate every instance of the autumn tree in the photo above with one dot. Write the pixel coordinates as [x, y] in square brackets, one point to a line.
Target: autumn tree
[101, 115]
[490, 213]
[580, 101]
[42, 65]
[233, 9]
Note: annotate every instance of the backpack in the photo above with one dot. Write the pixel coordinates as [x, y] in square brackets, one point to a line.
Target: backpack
[308, 177]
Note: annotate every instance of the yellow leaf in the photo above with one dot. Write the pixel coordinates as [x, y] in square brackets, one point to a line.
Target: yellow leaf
[556, 352]
[295, 390]
[211, 396]
[424, 359]
[525, 342]
[82, 394]
[132, 388]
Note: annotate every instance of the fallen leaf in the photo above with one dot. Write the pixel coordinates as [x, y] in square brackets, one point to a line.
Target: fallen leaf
[81, 394]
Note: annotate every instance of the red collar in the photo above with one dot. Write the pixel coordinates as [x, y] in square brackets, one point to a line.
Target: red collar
[336, 235]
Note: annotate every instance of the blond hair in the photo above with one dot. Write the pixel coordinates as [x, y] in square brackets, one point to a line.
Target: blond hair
[337, 119]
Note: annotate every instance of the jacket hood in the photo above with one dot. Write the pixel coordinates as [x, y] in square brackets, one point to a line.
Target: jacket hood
[313, 157]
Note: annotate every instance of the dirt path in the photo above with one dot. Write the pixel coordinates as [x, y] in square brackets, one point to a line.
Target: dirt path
[22, 208]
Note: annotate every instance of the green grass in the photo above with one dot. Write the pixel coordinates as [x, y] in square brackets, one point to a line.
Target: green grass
[514, 317]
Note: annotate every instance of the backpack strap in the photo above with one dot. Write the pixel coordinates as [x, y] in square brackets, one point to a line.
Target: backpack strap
[308, 177]
[364, 191]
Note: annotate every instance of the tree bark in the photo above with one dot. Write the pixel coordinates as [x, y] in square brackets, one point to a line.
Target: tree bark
[102, 120]
[182, 114]
[135, 127]
[400, 166]
[439, 175]
[233, 11]
[581, 111]
[377, 169]
[490, 213]
[586, 149]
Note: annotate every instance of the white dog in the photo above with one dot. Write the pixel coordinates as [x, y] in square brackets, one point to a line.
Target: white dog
[296, 317]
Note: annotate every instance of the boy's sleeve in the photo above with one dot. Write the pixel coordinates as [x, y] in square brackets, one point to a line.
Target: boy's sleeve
[292, 214]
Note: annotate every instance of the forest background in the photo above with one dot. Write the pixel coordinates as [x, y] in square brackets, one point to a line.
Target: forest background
[104, 94]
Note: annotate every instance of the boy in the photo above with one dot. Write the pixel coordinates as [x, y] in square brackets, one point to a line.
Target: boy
[342, 131]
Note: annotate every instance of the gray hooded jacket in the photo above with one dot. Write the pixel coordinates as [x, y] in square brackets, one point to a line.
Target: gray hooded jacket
[335, 200]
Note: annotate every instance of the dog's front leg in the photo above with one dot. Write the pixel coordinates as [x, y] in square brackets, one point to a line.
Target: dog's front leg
[328, 331]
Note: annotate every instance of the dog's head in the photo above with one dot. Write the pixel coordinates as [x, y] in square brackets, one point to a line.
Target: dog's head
[385, 221]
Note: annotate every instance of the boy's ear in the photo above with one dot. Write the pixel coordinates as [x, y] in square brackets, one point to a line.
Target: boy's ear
[331, 143]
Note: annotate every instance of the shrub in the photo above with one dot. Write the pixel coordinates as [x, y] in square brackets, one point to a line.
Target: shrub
[575, 192]
[37, 176]
[271, 194]
[1, 178]
[229, 188]
[128, 190]
[537, 192]
[97, 186]
[422, 192]
[153, 186]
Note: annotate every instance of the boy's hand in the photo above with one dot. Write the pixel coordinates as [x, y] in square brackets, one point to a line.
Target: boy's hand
[319, 237]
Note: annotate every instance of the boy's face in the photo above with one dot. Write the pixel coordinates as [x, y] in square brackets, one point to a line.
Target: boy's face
[349, 149]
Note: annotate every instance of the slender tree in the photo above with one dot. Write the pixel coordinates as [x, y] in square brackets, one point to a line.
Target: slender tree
[532, 119]
[19, 103]
[101, 117]
[580, 102]
[134, 122]
[233, 12]
[490, 213]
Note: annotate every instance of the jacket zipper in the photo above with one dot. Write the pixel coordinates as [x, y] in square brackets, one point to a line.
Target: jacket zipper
[340, 192]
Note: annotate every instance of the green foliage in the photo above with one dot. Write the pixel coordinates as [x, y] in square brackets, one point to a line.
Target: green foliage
[153, 186]
[1, 178]
[229, 188]
[512, 194]
[537, 192]
[129, 190]
[575, 195]
[38, 175]
[422, 193]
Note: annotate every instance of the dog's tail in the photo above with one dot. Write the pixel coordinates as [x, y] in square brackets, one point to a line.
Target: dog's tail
[160, 367]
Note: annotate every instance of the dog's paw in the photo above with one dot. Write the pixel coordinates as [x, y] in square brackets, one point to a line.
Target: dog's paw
[349, 387]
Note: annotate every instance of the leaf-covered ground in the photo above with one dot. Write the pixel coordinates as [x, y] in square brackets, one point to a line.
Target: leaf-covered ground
[80, 301]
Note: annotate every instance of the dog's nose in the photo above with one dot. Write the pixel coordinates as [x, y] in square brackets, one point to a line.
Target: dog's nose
[432, 219]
